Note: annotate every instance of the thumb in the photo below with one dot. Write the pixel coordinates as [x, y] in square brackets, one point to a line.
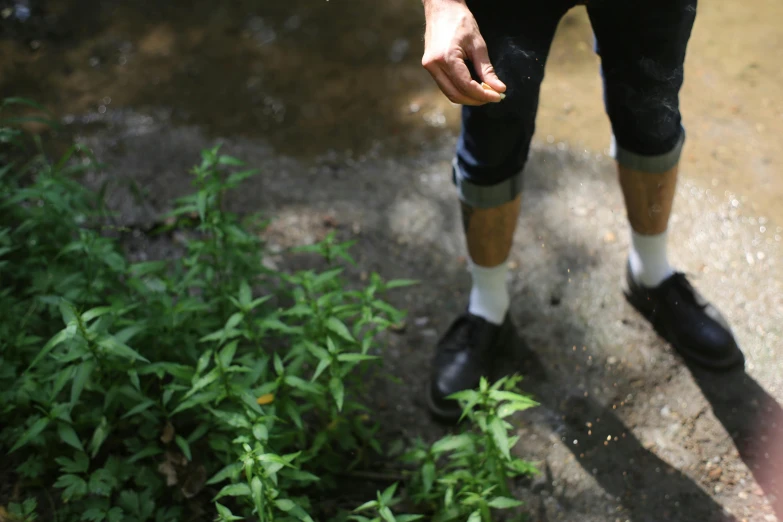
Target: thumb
[484, 69]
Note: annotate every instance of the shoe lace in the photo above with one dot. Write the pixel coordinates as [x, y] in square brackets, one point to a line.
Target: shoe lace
[465, 333]
[686, 290]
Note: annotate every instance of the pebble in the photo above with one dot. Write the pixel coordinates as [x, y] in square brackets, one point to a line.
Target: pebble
[612, 360]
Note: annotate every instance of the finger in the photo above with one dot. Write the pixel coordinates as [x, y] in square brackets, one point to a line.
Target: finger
[459, 74]
[480, 58]
[447, 87]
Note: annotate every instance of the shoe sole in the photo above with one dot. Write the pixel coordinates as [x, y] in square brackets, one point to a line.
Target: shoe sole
[441, 415]
[710, 364]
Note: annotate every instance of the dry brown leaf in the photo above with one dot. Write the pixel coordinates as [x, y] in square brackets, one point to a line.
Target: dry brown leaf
[168, 470]
[168, 433]
[266, 398]
[195, 480]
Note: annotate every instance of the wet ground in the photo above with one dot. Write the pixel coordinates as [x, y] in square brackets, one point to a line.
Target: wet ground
[331, 96]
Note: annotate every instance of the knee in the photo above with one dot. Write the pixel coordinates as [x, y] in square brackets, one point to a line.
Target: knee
[644, 111]
[522, 70]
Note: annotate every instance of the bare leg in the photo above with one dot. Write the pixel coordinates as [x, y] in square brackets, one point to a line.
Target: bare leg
[490, 231]
[648, 199]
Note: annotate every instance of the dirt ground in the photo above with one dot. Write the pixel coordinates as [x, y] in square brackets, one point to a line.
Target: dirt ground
[328, 99]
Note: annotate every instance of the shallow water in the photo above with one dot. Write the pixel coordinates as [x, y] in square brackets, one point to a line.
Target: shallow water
[311, 77]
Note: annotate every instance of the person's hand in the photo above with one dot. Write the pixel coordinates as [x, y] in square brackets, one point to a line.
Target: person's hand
[452, 37]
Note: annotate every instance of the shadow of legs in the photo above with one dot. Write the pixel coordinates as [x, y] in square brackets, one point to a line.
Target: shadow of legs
[651, 489]
[754, 420]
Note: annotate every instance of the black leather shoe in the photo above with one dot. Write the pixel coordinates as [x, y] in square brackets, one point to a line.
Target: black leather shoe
[694, 327]
[464, 354]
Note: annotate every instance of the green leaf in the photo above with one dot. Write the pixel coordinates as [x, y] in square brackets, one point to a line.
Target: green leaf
[199, 432]
[397, 283]
[234, 490]
[94, 514]
[451, 443]
[184, 446]
[500, 436]
[227, 353]
[367, 505]
[59, 337]
[356, 357]
[300, 476]
[102, 482]
[115, 514]
[234, 320]
[257, 490]
[428, 476]
[139, 408]
[134, 378]
[83, 372]
[475, 516]
[409, 518]
[33, 431]
[298, 310]
[292, 410]
[386, 514]
[326, 276]
[323, 364]
[117, 348]
[504, 503]
[79, 465]
[149, 451]
[93, 313]
[125, 335]
[301, 384]
[509, 408]
[230, 161]
[260, 432]
[99, 436]
[245, 295]
[279, 368]
[229, 472]
[17, 100]
[226, 514]
[285, 504]
[204, 381]
[201, 204]
[338, 391]
[500, 395]
[388, 494]
[68, 312]
[196, 400]
[338, 327]
[74, 487]
[68, 435]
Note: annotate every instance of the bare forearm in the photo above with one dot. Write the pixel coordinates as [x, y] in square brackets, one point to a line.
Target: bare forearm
[432, 5]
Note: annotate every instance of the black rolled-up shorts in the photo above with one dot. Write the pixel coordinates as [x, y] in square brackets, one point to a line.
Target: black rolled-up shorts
[642, 46]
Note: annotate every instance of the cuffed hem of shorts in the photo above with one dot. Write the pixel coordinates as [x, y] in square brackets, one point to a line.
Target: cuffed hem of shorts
[652, 164]
[491, 196]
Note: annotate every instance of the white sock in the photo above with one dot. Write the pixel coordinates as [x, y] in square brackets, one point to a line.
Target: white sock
[649, 264]
[489, 297]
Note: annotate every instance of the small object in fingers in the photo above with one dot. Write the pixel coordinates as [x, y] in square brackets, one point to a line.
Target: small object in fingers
[488, 88]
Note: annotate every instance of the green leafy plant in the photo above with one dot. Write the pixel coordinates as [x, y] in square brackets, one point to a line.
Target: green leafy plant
[204, 383]
[381, 507]
[465, 476]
